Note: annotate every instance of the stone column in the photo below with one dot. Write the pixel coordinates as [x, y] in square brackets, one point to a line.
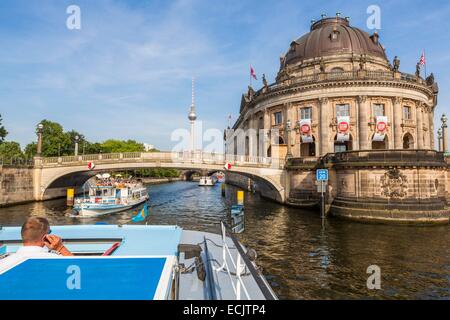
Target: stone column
[419, 124]
[397, 120]
[356, 143]
[426, 124]
[323, 126]
[431, 127]
[363, 123]
[266, 137]
[251, 133]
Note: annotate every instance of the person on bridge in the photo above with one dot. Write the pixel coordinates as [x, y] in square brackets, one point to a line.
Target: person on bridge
[37, 242]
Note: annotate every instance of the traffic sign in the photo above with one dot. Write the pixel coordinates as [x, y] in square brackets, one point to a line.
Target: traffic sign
[322, 175]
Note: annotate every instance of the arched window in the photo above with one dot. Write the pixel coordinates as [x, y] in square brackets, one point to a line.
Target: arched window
[408, 141]
[280, 140]
[343, 146]
[337, 69]
[269, 152]
[308, 149]
[381, 145]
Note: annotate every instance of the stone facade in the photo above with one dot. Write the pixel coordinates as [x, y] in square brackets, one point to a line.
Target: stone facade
[337, 71]
[16, 185]
[389, 185]
[361, 85]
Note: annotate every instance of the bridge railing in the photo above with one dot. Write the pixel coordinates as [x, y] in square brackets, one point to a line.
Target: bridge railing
[198, 157]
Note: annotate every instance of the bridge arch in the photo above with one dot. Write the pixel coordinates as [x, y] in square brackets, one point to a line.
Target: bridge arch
[55, 180]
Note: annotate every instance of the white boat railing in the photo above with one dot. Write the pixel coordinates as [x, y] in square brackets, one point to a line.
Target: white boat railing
[238, 265]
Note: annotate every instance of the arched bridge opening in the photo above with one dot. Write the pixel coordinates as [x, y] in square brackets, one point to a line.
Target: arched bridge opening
[55, 181]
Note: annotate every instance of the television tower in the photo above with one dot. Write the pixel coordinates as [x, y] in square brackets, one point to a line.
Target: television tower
[192, 117]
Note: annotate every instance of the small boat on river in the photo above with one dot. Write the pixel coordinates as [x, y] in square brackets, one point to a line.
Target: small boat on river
[207, 181]
[109, 195]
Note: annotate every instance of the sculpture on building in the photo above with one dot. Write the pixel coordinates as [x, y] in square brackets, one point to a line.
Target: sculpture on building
[250, 93]
[362, 62]
[265, 84]
[394, 184]
[418, 69]
[322, 66]
[264, 80]
[430, 79]
[396, 64]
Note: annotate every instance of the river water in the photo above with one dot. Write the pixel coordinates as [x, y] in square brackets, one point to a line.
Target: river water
[301, 256]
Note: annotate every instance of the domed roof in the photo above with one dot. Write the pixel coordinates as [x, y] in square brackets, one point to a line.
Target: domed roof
[332, 36]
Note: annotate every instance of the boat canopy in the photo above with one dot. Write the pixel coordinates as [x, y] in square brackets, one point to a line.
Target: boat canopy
[104, 256]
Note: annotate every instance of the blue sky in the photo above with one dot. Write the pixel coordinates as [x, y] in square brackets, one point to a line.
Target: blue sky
[126, 74]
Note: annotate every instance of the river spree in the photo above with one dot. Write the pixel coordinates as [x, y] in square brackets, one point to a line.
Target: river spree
[301, 256]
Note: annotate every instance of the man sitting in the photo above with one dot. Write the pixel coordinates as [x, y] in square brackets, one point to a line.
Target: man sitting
[37, 241]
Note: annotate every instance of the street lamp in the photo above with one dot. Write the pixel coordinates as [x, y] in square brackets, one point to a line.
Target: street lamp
[444, 133]
[40, 128]
[439, 132]
[288, 138]
[77, 138]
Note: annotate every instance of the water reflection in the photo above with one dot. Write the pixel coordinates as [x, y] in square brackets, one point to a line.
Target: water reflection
[302, 257]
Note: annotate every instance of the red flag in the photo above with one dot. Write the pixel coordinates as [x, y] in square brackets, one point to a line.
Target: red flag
[422, 59]
[252, 73]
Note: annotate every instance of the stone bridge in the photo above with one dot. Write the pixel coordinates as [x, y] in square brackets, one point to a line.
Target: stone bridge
[52, 175]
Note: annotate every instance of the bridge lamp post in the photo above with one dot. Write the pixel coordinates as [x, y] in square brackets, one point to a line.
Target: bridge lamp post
[77, 138]
[40, 128]
[288, 139]
[444, 133]
[439, 132]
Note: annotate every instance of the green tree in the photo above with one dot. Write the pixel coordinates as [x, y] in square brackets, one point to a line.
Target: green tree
[54, 141]
[87, 147]
[10, 150]
[3, 132]
[112, 145]
[30, 150]
[158, 173]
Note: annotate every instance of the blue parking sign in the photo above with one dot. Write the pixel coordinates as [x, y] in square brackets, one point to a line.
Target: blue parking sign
[322, 175]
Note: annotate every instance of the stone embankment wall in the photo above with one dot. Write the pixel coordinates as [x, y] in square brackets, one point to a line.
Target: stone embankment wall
[397, 186]
[16, 185]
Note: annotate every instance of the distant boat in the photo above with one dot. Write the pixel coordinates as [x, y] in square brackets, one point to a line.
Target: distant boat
[207, 181]
[108, 196]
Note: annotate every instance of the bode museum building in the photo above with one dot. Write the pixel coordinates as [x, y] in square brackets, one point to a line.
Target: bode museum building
[339, 103]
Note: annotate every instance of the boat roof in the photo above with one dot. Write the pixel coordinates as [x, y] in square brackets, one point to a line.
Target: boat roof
[140, 267]
[134, 239]
[123, 262]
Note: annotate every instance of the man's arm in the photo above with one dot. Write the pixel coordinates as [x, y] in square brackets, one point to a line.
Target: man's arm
[55, 243]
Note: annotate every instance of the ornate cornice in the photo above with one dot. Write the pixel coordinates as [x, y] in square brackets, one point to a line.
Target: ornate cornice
[299, 88]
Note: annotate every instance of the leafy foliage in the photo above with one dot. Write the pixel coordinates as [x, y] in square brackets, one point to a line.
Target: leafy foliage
[3, 132]
[10, 150]
[57, 142]
[158, 173]
[111, 145]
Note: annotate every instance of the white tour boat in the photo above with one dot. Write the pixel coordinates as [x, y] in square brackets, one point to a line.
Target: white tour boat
[133, 262]
[207, 181]
[110, 196]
